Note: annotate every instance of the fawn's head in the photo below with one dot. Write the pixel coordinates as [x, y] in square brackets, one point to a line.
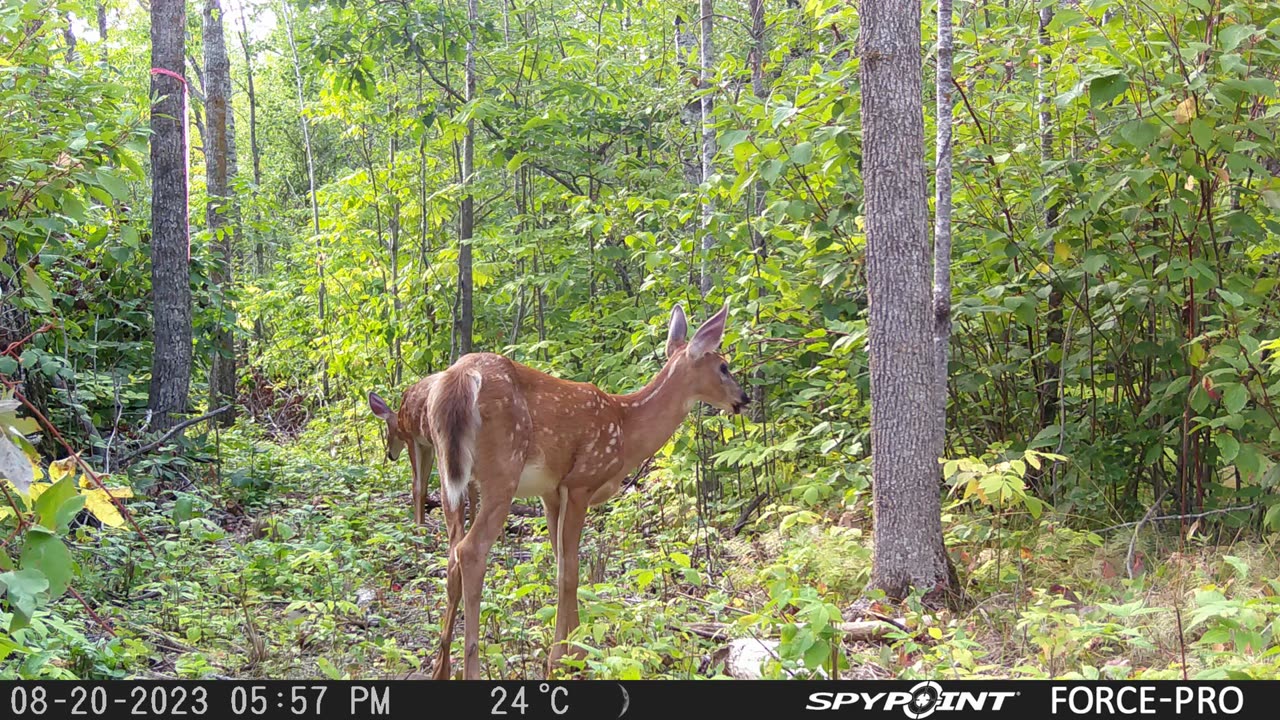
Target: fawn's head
[699, 364]
[395, 440]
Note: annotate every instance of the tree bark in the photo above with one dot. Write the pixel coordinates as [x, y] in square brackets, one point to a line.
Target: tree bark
[706, 59]
[1051, 374]
[218, 210]
[259, 247]
[321, 293]
[942, 221]
[170, 274]
[393, 229]
[463, 321]
[908, 526]
[691, 112]
[759, 88]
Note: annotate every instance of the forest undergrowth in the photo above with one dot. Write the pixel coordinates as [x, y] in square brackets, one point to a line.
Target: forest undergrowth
[299, 559]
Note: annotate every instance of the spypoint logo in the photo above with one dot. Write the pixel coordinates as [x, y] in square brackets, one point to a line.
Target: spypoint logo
[921, 701]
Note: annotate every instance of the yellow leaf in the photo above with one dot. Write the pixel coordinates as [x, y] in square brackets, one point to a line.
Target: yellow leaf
[1061, 252]
[1185, 111]
[37, 489]
[59, 469]
[121, 492]
[861, 222]
[1043, 269]
[98, 503]
[935, 633]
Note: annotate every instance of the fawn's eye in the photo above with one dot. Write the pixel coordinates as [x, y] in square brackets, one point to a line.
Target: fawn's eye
[724, 368]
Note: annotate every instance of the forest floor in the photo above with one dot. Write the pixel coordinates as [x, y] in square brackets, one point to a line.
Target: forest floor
[320, 572]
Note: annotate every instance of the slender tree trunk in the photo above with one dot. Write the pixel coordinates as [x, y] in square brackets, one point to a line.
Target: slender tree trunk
[759, 88]
[102, 31]
[393, 228]
[311, 186]
[1052, 363]
[464, 319]
[170, 275]
[218, 212]
[259, 253]
[908, 511]
[69, 35]
[707, 62]
[259, 247]
[691, 112]
[942, 221]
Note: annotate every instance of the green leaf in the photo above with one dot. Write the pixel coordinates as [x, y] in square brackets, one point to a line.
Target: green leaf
[1272, 518]
[802, 153]
[23, 586]
[1102, 90]
[38, 285]
[730, 139]
[182, 509]
[48, 554]
[1139, 133]
[1228, 446]
[1232, 35]
[816, 655]
[1235, 398]
[68, 510]
[1202, 132]
[51, 500]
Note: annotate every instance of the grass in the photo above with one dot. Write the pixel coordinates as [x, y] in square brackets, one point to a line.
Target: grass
[303, 562]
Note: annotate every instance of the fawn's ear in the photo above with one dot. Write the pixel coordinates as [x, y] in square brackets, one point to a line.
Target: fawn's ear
[379, 406]
[708, 337]
[677, 332]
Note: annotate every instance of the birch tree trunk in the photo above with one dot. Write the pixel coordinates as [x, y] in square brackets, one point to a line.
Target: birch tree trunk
[706, 59]
[759, 88]
[1052, 363]
[464, 319]
[311, 185]
[170, 275]
[218, 209]
[942, 220]
[908, 512]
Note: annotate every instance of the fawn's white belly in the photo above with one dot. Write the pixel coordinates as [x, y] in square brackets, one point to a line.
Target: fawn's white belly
[536, 481]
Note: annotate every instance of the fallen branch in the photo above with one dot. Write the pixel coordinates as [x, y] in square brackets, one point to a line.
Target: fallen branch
[745, 515]
[140, 452]
[1188, 516]
[859, 631]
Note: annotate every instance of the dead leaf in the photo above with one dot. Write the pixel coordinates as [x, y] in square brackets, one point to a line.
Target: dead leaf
[1186, 111]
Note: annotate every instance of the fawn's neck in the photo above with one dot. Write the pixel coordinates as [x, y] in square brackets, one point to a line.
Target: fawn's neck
[651, 415]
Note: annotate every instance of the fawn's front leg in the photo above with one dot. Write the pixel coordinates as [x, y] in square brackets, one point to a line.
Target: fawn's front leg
[573, 514]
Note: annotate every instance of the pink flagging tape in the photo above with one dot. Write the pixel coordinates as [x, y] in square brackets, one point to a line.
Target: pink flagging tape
[186, 149]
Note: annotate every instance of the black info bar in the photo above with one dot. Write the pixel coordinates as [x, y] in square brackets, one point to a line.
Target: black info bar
[635, 700]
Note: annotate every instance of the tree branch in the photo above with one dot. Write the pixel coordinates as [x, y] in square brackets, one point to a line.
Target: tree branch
[137, 454]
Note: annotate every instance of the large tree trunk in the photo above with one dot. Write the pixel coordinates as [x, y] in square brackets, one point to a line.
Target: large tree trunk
[464, 318]
[218, 212]
[706, 59]
[170, 275]
[908, 525]
[321, 293]
[942, 222]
